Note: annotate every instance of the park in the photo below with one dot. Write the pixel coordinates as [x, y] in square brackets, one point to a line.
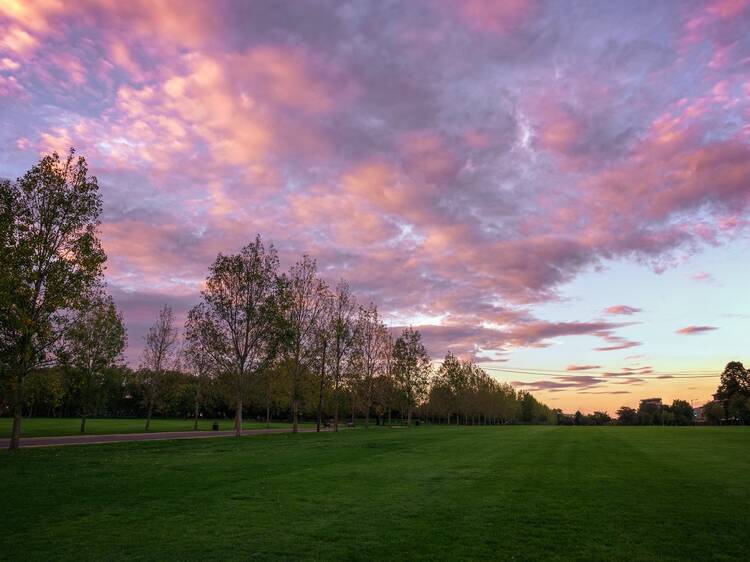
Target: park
[374, 280]
[423, 493]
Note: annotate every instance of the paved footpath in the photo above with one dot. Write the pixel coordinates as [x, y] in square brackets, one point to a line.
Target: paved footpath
[155, 436]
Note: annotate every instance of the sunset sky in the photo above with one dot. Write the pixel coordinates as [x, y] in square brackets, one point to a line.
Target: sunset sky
[561, 187]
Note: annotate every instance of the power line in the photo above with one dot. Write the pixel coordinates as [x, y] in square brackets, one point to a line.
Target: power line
[557, 373]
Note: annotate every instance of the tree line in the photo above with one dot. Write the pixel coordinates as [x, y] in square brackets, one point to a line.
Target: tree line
[259, 339]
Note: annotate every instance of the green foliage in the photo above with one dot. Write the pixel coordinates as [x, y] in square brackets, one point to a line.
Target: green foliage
[238, 321]
[50, 256]
[93, 343]
[411, 368]
[462, 390]
[627, 416]
[734, 392]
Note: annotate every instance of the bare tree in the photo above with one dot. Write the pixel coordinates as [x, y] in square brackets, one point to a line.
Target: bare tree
[305, 300]
[158, 355]
[238, 320]
[325, 334]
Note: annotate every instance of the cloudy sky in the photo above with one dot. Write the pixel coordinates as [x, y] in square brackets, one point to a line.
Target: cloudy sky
[561, 187]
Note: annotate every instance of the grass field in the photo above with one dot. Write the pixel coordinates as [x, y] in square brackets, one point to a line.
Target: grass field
[430, 493]
[52, 427]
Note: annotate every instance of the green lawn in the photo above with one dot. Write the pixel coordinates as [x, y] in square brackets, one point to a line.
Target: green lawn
[509, 493]
[49, 427]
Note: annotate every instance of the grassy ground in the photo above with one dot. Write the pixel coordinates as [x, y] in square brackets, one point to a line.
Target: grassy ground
[52, 427]
[509, 493]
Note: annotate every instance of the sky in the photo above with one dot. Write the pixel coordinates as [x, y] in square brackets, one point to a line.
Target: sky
[557, 189]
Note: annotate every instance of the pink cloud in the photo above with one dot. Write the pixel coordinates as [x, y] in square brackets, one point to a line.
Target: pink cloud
[691, 330]
[621, 309]
[439, 184]
[582, 367]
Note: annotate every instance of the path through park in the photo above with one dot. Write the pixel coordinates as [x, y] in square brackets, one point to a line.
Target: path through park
[155, 436]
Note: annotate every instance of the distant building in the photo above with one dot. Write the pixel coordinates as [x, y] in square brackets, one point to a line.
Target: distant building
[698, 415]
[651, 403]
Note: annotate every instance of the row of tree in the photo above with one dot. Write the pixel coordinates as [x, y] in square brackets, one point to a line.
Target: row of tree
[256, 333]
[680, 412]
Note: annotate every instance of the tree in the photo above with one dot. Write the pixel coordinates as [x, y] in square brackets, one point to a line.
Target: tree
[93, 342]
[304, 301]
[325, 333]
[578, 418]
[627, 416]
[369, 349]
[713, 412]
[200, 366]
[158, 355]
[344, 307]
[237, 322]
[734, 391]
[600, 418]
[452, 376]
[49, 257]
[682, 412]
[411, 368]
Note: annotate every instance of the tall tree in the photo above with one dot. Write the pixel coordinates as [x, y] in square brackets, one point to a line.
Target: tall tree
[325, 334]
[344, 309]
[93, 343]
[159, 354]
[49, 257]
[411, 368]
[305, 300]
[369, 348]
[198, 363]
[734, 391]
[237, 321]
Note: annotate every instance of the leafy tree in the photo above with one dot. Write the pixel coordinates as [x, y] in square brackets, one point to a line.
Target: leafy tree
[578, 418]
[682, 412]
[44, 391]
[199, 364]
[159, 354]
[600, 418]
[325, 332]
[627, 416]
[344, 308]
[93, 342]
[411, 368]
[734, 380]
[237, 321]
[49, 257]
[303, 305]
[734, 391]
[369, 349]
[713, 412]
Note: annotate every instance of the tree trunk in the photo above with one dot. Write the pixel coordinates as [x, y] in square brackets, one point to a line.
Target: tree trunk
[15, 435]
[195, 419]
[295, 416]
[148, 413]
[389, 416]
[408, 416]
[336, 399]
[83, 423]
[367, 417]
[268, 415]
[238, 419]
[320, 390]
